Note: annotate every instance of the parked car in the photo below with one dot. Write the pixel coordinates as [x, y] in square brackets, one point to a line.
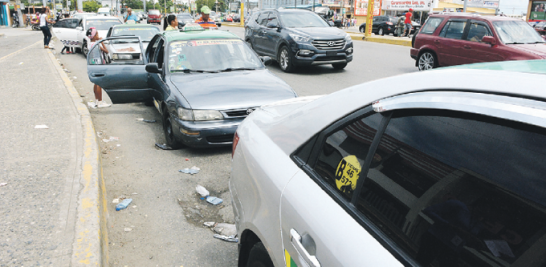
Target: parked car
[430, 170]
[76, 37]
[127, 50]
[203, 83]
[83, 15]
[183, 19]
[298, 38]
[141, 15]
[540, 27]
[236, 18]
[387, 24]
[452, 39]
[154, 16]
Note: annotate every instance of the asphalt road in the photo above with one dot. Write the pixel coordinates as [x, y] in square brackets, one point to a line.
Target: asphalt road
[166, 216]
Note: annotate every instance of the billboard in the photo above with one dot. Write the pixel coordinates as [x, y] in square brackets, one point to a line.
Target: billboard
[419, 5]
[361, 8]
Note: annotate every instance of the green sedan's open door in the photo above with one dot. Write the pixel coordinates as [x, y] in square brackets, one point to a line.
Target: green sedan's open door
[117, 64]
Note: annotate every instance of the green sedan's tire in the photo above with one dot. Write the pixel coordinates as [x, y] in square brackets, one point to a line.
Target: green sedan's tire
[168, 131]
[258, 257]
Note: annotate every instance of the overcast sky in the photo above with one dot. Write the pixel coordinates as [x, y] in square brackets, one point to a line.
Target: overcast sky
[513, 6]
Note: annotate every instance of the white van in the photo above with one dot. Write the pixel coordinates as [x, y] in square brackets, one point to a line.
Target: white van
[105, 11]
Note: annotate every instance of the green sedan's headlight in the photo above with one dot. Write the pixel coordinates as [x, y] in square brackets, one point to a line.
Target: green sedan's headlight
[199, 115]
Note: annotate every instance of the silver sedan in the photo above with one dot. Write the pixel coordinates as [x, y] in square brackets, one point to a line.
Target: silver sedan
[414, 170]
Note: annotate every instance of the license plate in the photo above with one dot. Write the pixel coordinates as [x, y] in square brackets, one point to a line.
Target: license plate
[331, 53]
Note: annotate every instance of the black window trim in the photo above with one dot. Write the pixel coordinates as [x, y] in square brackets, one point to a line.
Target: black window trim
[465, 30]
[351, 209]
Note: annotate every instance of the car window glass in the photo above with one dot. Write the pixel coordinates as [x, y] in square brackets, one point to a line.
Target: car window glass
[343, 153]
[272, 18]
[453, 30]
[60, 24]
[456, 189]
[431, 24]
[477, 31]
[160, 54]
[118, 53]
[73, 23]
[152, 51]
[262, 18]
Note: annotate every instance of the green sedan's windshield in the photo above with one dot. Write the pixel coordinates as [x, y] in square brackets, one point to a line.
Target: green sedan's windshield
[211, 56]
[145, 33]
[517, 32]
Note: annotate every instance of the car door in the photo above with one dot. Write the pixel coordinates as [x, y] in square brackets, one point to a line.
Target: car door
[316, 229]
[272, 35]
[80, 32]
[123, 81]
[474, 50]
[451, 41]
[156, 54]
[259, 32]
[65, 31]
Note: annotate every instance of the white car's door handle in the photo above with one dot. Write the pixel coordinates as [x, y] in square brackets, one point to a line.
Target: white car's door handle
[295, 238]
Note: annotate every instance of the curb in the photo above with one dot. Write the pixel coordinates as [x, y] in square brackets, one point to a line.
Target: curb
[90, 246]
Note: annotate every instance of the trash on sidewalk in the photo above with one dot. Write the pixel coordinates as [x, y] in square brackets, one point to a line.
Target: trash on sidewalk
[202, 191]
[21, 63]
[214, 200]
[75, 77]
[112, 138]
[3, 184]
[226, 229]
[187, 159]
[163, 146]
[99, 134]
[144, 120]
[232, 239]
[209, 224]
[127, 229]
[115, 200]
[124, 204]
[192, 170]
[41, 127]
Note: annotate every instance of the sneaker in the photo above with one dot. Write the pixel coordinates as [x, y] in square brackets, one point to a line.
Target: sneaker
[92, 104]
[103, 104]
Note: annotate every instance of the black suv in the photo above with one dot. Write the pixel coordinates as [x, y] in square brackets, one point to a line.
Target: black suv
[298, 38]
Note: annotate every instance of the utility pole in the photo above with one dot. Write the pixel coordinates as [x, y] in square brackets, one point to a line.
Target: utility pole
[19, 13]
[464, 7]
[144, 2]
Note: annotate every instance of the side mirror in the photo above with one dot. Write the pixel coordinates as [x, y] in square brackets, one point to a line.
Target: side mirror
[489, 40]
[272, 25]
[331, 23]
[266, 60]
[152, 68]
[79, 28]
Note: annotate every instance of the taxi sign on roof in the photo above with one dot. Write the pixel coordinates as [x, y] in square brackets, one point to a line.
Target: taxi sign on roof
[192, 27]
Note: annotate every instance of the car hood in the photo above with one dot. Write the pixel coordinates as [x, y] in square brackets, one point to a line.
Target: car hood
[283, 107]
[320, 32]
[231, 90]
[535, 49]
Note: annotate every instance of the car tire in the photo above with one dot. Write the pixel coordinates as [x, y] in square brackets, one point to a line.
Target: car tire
[258, 257]
[168, 131]
[285, 59]
[362, 29]
[339, 66]
[381, 31]
[84, 49]
[426, 61]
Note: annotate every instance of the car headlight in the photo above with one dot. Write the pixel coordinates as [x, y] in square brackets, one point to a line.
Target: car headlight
[348, 39]
[199, 115]
[121, 56]
[299, 38]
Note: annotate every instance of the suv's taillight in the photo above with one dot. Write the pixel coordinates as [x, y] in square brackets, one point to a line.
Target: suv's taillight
[235, 142]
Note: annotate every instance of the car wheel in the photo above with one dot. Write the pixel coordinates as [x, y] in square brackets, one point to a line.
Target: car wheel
[426, 61]
[285, 60]
[381, 31]
[170, 139]
[339, 66]
[85, 50]
[362, 29]
[258, 257]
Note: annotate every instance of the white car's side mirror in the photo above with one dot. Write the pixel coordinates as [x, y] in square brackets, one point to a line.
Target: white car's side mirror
[79, 28]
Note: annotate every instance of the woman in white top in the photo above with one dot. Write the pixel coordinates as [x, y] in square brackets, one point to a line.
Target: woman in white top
[45, 29]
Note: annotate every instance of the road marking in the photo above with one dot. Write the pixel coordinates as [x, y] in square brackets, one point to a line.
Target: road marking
[6, 56]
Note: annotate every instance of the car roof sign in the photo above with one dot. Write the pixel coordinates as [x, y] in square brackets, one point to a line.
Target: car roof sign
[192, 27]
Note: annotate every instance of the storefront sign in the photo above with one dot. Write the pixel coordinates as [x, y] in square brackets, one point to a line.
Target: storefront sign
[538, 10]
[407, 4]
[361, 7]
[491, 4]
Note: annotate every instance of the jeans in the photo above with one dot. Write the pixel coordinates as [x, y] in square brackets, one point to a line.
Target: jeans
[47, 35]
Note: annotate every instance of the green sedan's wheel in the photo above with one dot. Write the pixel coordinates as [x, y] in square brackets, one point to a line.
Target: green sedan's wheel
[285, 60]
[258, 257]
[168, 130]
[427, 61]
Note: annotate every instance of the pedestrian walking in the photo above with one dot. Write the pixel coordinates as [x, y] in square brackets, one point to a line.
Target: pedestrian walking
[44, 22]
[97, 57]
[407, 22]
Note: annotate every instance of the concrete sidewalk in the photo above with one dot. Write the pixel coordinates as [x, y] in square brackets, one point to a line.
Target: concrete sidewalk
[51, 202]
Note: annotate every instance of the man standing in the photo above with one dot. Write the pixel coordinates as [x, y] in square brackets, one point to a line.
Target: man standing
[205, 21]
[44, 20]
[407, 22]
[130, 16]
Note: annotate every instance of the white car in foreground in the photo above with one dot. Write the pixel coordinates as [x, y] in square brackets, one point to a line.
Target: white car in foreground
[414, 170]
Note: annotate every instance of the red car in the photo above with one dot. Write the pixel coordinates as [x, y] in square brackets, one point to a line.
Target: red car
[154, 16]
[540, 27]
[455, 39]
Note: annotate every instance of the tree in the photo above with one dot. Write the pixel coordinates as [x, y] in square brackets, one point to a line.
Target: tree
[91, 6]
[211, 4]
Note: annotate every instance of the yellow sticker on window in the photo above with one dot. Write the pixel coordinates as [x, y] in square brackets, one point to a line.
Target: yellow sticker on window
[347, 173]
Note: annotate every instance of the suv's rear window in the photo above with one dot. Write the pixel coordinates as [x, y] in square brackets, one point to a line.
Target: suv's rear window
[431, 24]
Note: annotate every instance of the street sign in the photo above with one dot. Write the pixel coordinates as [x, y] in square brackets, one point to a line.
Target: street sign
[68, 3]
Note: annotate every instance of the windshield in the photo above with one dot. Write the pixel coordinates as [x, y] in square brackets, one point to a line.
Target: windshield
[516, 32]
[302, 20]
[101, 24]
[184, 16]
[211, 55]
[154, 12]
[145, 33]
